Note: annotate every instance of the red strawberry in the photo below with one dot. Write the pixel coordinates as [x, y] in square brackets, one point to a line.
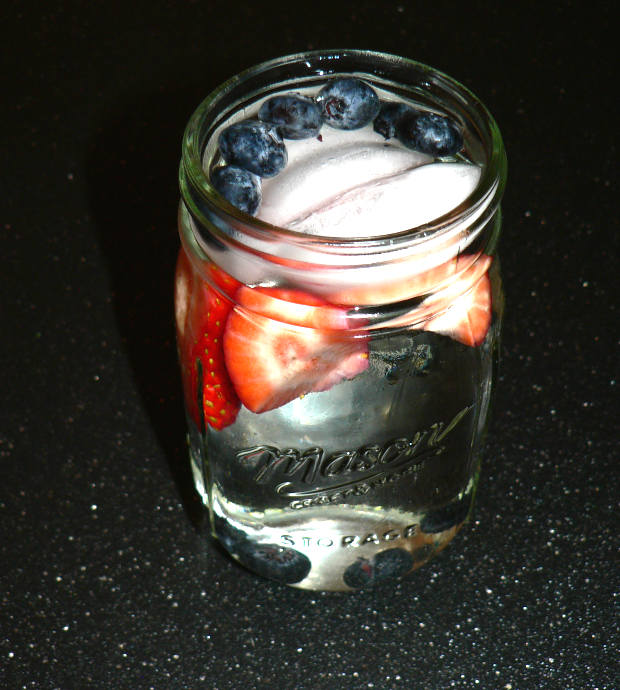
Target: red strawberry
[468, 318]
[200, 325]
[464, 301]
[281, 344]
[464, 305]
[227, 284]
[415, 283]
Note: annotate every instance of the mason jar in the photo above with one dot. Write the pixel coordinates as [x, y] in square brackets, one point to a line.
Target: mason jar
[337, 384]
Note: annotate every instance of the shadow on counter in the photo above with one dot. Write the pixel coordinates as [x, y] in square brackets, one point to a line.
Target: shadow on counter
[132, 167]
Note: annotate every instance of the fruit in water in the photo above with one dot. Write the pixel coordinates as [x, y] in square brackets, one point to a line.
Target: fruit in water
[219, 402]
[462, 299]
[387, 564]
[268, 560]
[463, 306]
[231, 537]
[239, 186]
[429, 133]
[274, 562]
[282, 344]
[201, 318]
[222, 280]
[389, 116]
[467, 318]
[415, 283]
[255, 146]
[348, 103]
[297, 117]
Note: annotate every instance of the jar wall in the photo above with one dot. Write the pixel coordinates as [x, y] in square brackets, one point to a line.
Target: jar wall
[337, 392]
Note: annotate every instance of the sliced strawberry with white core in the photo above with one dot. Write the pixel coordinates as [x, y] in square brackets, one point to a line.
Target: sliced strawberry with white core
[415, 283]
[463, 306]
[468, 318]
[462, 298]
[295, 307]
[282, 344]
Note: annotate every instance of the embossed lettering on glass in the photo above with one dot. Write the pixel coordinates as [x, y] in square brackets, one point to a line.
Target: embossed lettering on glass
[338, 307]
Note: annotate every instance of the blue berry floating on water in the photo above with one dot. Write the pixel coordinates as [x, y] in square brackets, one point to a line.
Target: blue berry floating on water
[255, 146]
[348, 103]
[429, 133]
[239, 186]
[390, 114]
[297, 117]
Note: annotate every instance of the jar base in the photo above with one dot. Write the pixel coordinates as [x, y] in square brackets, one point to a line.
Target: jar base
[336, 548]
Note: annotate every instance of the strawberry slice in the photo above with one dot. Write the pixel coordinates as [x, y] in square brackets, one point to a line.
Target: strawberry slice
[463, 298]
[227, 284]
[281, 344]
[414, 284]
[463, 306]
[468, 318]
[201, 313]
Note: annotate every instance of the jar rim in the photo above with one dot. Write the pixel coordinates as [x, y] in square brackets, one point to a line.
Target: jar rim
[484, 199]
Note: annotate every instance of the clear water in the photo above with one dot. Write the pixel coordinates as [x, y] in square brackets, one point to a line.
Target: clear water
[362, 482]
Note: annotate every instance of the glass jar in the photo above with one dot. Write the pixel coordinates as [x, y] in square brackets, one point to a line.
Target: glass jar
[337, 388]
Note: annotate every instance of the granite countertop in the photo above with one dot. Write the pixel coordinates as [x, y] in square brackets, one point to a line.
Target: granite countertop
[107, 580]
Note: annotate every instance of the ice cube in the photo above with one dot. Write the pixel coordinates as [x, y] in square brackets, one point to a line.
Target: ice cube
[392, 203]
[321, 171]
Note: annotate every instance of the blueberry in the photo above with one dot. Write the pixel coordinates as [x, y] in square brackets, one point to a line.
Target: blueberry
[359, 574]
[429, 133]
[392, 374]
[446, 517]
[240, 187]
[230, 537]
[297, 117]
[388, 117]
[348, 103]
[392, 563]
[274, 562]
[422, 359]
[255, 146]
[398, 354]
[387, 564]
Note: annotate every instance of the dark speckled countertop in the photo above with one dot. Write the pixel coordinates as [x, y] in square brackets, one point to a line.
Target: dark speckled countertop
[106, 579]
